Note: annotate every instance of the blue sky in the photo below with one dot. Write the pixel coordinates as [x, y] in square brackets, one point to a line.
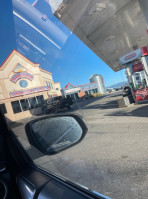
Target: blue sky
[77, 63]
[76, 54]
[69, 59]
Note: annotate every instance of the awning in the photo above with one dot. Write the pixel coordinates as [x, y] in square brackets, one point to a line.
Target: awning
[111, 28]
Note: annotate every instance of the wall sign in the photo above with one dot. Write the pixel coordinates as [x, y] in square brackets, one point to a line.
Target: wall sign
[72, 90]
[18, 76]
[137, 67]
[29, 91]
[23, 83]
[19, 68]
[131, 56]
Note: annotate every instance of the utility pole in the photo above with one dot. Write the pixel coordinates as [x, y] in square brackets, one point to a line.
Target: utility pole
[122, 76]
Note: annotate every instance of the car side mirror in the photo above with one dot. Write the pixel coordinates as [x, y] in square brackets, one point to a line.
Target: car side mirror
[52, 134]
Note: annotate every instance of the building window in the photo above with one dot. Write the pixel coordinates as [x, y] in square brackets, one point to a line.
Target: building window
[33, 102]
[16, 107]
[50, 84]
[3, 108]
[25, 104]
[40, 100]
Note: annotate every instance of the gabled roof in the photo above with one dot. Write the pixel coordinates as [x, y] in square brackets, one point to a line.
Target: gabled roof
[15, 52]
[69, 84]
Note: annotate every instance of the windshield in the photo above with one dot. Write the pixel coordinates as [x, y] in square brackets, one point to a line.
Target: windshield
[45, 70]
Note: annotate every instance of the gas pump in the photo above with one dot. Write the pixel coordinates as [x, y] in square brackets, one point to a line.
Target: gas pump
[139, 80]
[136, 64]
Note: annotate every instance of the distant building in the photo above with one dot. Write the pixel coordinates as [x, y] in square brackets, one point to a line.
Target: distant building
[24, 86]
[99, 79]
[96, 85]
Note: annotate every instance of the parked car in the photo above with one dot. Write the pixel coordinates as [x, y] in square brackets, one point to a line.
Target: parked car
[111, 90]
[57, 103]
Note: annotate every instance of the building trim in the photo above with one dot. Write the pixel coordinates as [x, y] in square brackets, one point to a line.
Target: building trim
[12, 99]
[45, 71]
[17, 53]
[78, 85]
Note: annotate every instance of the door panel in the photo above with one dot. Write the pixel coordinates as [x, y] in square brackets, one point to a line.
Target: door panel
[35, 183]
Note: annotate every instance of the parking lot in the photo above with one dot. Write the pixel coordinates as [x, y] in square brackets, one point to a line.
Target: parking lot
[113, 157]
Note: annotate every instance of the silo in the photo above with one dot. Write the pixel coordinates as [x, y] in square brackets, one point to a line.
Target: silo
[99, 79]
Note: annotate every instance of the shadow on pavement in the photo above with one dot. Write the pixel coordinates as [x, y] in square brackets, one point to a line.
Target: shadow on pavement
[138, 112]
[81, 104]
[115, 94]
[108, 105]
[13, 124]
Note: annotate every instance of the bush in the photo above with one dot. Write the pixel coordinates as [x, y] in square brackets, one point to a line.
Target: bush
[96, 94]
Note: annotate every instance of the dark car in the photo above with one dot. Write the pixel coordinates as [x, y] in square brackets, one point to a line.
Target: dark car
[127, 91]
[57, 103]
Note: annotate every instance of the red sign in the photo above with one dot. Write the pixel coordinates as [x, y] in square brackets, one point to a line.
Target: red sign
[130, 56]
[141, 95]
[137, 67]
[18, 76]
[29, 91]
[144, 50]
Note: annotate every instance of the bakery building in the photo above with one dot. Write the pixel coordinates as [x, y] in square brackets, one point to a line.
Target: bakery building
[96, 85]
[24, 86]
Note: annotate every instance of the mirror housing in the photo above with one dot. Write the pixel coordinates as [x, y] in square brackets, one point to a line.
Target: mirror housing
[52, 134]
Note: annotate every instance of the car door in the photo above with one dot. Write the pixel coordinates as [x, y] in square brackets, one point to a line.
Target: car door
[31, 38]
[21, 178]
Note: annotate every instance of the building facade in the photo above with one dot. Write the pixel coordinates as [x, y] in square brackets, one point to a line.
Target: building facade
[99, 79]
[96, 85]
[23, 87]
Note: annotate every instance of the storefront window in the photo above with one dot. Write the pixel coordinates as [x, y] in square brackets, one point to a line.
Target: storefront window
[33, 102]
[25, 104]
[47, 83]
[96, 90]
[50, 84]
[3, 108]
[16, 107]
[40, 100]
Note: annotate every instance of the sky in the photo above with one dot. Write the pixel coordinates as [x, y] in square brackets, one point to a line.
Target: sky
[77, 55]
[43, 39]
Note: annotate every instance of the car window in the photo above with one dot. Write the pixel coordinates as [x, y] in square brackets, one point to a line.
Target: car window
[45, 70]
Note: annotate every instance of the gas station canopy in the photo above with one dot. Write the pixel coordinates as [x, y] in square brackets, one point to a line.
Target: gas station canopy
[111, 28]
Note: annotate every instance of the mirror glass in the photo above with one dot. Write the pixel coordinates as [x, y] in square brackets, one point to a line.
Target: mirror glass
[57, 133]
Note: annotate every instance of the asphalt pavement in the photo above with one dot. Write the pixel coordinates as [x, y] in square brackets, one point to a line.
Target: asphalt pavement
[113, 157]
